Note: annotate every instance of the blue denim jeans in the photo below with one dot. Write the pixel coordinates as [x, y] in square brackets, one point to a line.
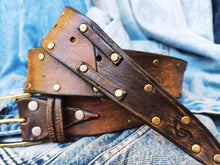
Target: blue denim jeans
[181, 28]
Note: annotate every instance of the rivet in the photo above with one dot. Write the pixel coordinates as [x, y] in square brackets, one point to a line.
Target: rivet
[36, 131]
[131, 121]
[79, 115]
[41, 56]
[83, 68]
[196, 148]
[63, 12]
[95, 90]
[33, 105]
[148, 88]
[118, 93]
[185, 120]
[156, 120]
[50, 45]
[83, 28]
[178, 65]
[114, 57]
[104, 100]
[56, 87]
[217, 158]
[29, 85]
[156, 63]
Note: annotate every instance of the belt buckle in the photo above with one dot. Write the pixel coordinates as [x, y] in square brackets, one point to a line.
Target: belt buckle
[16, 120]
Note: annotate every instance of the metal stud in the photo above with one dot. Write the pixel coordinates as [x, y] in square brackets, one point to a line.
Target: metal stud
[114, 57]
[131, 122]
[156, 120]
[50, 45]
[118, 93]
[29, 85]
[178, 65]
[95, 90]
[196, 148]
[156, 63]
[83, 28]
[41, 56]
[148, 88]
[185, 120]
[36, 131]
[79, 115]
[83, 68]
[217, 158]
[33, 105]
[56, 87]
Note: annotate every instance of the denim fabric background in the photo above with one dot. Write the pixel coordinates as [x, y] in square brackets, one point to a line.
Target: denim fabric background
[179, 28]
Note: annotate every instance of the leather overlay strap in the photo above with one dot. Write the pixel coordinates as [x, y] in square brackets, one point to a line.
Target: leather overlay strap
[144, 97]
[44, 72]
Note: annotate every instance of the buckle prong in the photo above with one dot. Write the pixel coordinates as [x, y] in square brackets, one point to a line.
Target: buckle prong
[15, 120]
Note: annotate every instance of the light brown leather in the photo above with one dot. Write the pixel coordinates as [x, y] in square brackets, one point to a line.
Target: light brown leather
[43, 74]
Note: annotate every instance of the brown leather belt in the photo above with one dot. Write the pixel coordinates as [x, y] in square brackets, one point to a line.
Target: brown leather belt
[79, 63]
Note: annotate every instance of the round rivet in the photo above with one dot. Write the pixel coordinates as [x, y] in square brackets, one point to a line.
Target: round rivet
[156, 120]
[83, 68]
[148, 88]
[33, 105]
[156, 63]
[118, 93]
[63, 12]
[56, 87]
[95, 90]
[131, 121]
[104, 100]
[41, 56]
[79, 115]
[178, 65]
[50, 45]
[36, 131]
[217, 158]
[83, 28]
[185, 120]
[114, 57]
[196, 148]
[29, 85]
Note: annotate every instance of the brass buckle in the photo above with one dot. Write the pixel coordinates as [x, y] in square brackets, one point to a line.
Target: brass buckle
[16, 120]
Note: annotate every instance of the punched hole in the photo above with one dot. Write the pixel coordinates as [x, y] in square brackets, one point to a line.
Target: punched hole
[99, 58]
[73, 39]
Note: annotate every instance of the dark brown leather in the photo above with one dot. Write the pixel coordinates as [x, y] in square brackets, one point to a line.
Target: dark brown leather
[43, 74]
[130, 78]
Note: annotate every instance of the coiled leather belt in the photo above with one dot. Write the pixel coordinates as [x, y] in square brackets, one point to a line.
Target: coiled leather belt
[89, 85]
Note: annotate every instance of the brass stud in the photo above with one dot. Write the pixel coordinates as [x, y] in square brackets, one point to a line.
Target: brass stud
[118, 93]
[156, 63]
[83, 68]
[95, 90]
[56, 87]
[41, 56]
[131, 122]
[50, 45]
[178, 65]
[83, 28]
[148, 88]
[217, 158]
[29, 85]
[156, 120]
[114, 57]
[196, 148]
[185, 120]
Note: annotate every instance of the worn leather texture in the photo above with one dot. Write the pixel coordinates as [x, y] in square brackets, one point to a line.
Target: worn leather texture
[129, 78]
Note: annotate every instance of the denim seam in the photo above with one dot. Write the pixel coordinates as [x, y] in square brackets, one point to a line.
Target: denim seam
[123, 144]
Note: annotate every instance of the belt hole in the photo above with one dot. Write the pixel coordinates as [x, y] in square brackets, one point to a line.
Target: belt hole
[73, 39]
[99, 58]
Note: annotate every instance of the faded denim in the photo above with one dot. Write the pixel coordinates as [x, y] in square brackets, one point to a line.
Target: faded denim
[179, 28]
